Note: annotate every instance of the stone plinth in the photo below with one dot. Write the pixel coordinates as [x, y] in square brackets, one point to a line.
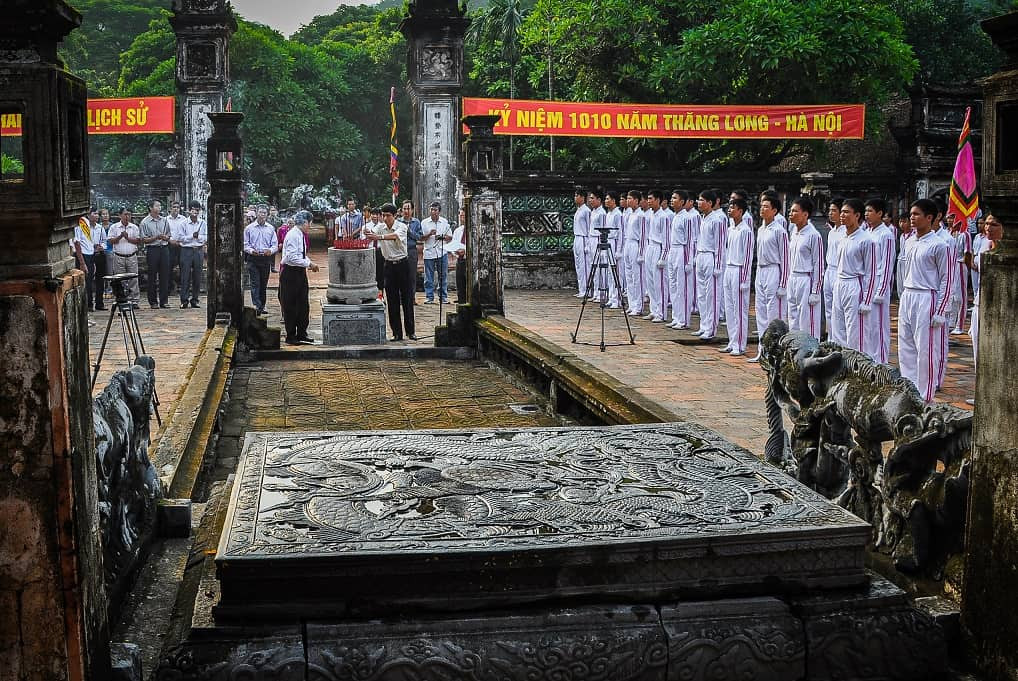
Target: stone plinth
[354, 324]
[371, 523]
[352, 276]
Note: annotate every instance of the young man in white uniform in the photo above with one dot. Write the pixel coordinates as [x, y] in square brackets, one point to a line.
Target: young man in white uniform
[963, 250]
[739, 263]
[709, 254]
[581, 246]
[616, 237]
[836, 232]
[680, 259]
[655, 257]
[994, 232]
[806, 283]
[951, 297]
[878, 345]
[598, 217]
[853, 292]
[926, 270]
[634, 250]
[772, 261]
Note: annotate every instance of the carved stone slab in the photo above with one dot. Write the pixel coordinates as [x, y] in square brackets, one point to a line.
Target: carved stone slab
[353, 324]
[358, 523]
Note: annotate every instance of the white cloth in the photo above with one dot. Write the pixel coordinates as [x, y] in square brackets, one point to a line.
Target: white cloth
[614, 221]
[739, 256]
[392, 249]
[656, 283]
[581, 250]
[680, 267]
[124, 247]
[927, 270]
[879, 345]
[85, 240]
[772, 263]
[853, 292]
[834, 236]
[633, 254]
[806, 282]
[433, 244]
[899, 276]
[709, 262]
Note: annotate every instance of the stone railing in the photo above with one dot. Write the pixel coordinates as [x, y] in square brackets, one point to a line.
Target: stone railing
[844, 407]
[128, 483]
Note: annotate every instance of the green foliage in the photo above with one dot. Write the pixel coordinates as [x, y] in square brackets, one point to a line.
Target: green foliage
[10, 166]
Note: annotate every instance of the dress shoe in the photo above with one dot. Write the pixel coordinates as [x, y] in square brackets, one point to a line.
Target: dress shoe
[738, 353]
[648, 317]
[261, 313]
[99, 308]
[396, 339]
[707, 338]
[727, 348]
[154, 307]
[412, 337]
[754, 360]
[164, 306]
[656, 320]
[292, 341]
[306, 341]
[194, 303]
[184, 305]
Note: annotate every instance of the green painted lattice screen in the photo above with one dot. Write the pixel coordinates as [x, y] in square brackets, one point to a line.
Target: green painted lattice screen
[537, 223]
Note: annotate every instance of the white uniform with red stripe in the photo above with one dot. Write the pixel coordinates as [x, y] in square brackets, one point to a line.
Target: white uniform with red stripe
[878, 344]
[739, 262]
[772, 262]
[959, 309]
[614, 222]
[602, 277]
[853, 292]
[657, 282]
[634, 250]
[709, 267]
[949, 298]
[834, 237]
[680, 265]
[925, 277]
[806, 284]
[581, 248]
[982, 246]
[899, 278]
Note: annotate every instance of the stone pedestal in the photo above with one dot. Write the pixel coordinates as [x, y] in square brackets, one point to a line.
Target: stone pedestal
[353, 324]
[224, 167]
[352, 276]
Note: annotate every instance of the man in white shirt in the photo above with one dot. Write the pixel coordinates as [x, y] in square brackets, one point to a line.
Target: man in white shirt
[738, 265]
[772, 262]
[84, 254]
[835, 233]
[190, 236]
[657, 288]
[993, 232]
[853, 292]
[174, 220]
[633, 252]
[878, 345]
[126, 239]
[581, 246]
[613, 221]
[806, 281]
[963, 251]
[437, 233]
[391, 236]
[951, 299]
[155, 234]
[349, 224]
[709, 254]
[680, 259]
[260, 246]
[293, 281]
[921, 321]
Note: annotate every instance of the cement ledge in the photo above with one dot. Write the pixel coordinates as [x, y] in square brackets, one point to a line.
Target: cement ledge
[187, 433]
[601, 394]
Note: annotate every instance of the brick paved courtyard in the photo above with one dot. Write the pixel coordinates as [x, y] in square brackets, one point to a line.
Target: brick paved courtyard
[697, 382]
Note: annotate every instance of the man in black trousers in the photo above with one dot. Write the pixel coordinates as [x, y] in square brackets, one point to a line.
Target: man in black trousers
[391, 237]
[293, 283]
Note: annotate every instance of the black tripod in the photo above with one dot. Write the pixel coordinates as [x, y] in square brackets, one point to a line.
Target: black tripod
[133, 342]
[604, 265]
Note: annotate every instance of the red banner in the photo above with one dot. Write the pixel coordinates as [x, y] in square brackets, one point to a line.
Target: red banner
[141, 115]
[586, 119]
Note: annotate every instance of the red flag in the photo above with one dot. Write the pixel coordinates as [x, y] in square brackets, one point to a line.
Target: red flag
[964, 199]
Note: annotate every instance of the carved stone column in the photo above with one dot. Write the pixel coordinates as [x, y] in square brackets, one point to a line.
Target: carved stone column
[225, 212]
[52, 601]
[482, 199]
[203, 29]
[434, 30]
[990, 600]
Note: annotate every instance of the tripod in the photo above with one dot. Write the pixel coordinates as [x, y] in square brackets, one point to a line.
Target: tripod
[604, 265]
[133, 342]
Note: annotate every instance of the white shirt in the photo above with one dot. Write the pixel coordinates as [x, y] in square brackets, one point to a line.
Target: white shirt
[175, 223]
[392, 249]
[183, 233]
[124, 247]
[834, 237]
[294, 253]
[807, 255]
[616, 224]
[433, 245]
[659, 224]
[857, 260]
[636, 226]
[772, 250]
[883, 239]
[85, 241]
[963, 244]
[581, 221]
[739, 248]
[258, 238]
[952, 255]
[712, 228]
[457, 235]
[928, 268]
[598, 216]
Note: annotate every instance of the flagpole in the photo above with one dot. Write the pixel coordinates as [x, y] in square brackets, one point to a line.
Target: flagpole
[393, 151]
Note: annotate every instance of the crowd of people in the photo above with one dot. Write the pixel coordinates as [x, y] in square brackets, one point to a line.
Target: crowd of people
[683, 254]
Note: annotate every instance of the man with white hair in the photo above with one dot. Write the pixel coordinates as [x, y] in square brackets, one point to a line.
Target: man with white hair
[293, 281]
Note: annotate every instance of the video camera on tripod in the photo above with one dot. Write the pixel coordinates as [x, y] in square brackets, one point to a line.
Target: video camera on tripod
[117, 282]
[604, 264]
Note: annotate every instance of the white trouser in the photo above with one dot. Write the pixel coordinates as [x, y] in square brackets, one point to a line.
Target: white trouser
[581, 260]
[960, 307]
[974, 330]
[801, 315]
[680, 280]
[708, 297]
[634, 276]
[879, 337]
[736, 308]
[768, 306]
[655, 283]
[975, 284]
[830, 277]
[620, 264]
[605, 290]
[919, 344]
[847, 319]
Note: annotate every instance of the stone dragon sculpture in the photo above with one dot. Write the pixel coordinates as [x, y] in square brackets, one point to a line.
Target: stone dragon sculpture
[844, 407]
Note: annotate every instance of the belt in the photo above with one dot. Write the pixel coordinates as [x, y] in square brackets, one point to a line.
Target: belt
[806, 272]
[770, 264]
[395, 262]
[711, 252]
[125, 255]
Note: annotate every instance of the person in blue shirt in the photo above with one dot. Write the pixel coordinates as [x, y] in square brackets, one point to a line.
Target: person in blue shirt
[414, 233]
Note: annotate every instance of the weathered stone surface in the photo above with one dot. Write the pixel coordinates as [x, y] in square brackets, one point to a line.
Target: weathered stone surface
[352, 276]
[367, 522]
[612, 642]
[354, 324]
[244, 655]
[174, 517]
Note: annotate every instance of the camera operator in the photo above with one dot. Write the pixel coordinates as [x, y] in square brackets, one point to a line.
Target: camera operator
[126, 237]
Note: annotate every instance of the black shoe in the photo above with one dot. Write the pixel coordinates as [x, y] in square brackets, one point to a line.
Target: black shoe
[184, 305]
[100, 308]
[165, 306]
[154, 307]
[306, 341]
[396, 339]
[194, 303]
[261, 313]
[292, 341]
[412, 337]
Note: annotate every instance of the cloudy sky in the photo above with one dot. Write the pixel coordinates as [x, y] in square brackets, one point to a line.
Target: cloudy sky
[287, 17]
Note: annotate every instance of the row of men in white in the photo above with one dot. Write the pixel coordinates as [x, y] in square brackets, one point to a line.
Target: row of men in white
[701, 258]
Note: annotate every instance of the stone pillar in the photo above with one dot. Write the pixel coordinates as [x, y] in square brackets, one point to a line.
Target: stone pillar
[989, 598]
[817, 186]
[225, 219]
[203, 29]
[482, 201]
[53, 622]
[434, 31]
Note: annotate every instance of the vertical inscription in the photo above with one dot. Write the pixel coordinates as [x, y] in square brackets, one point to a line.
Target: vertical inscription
[438, 155]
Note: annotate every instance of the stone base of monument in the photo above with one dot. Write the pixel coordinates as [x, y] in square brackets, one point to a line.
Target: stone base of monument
[630, 552]
[353, 324]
